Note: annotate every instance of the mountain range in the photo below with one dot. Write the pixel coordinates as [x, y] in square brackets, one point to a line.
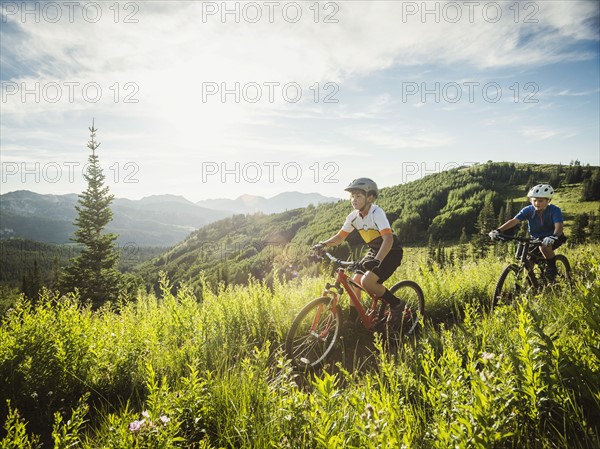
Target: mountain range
[158, 220]
[279, 203]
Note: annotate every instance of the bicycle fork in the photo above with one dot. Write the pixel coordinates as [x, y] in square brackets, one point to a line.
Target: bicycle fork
[322, 333]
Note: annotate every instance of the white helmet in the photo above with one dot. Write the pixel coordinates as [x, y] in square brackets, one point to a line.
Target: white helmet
[541, 191]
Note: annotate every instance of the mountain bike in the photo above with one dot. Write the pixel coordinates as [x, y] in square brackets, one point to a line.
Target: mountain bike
[529, 274]
[316, 328]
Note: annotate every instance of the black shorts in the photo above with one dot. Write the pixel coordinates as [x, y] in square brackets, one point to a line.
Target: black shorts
[388, 265]
[561, 239]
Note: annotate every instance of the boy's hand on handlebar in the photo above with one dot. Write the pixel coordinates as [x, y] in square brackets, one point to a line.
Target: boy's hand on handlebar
[494, 235]
[318, 249]
[550, 240]
[370, 264]
[318, 246]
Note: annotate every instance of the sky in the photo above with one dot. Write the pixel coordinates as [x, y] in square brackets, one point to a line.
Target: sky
[217, 99]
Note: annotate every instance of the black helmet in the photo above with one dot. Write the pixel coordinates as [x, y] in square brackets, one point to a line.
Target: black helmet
[366, 184]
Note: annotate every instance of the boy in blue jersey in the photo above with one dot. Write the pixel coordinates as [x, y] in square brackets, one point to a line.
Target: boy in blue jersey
[385, 251]
[545, 221]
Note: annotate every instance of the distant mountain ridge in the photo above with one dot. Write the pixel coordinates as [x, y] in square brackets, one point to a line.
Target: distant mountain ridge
[278, 203]
[157, 220]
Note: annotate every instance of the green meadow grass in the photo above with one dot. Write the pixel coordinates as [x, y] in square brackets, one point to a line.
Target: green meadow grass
[180, 371]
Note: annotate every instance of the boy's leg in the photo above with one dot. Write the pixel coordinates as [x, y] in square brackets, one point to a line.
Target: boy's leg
[373, 283]
[548, 253]
[551, 270]
[373, 280]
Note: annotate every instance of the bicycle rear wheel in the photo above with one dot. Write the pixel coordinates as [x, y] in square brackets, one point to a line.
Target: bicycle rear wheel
[411, 293]
[512, 282]
[313, 333]
[563, 269]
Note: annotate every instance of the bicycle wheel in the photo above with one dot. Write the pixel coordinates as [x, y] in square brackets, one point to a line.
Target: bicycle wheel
[411, 293]
[512, 283]
[313, 333]
[563, 269]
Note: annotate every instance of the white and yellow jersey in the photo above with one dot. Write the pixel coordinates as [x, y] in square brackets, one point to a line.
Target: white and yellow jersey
[370, 227]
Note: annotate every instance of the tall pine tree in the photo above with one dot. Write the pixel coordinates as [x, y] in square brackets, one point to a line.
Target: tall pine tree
[486, 222]
[94, 271]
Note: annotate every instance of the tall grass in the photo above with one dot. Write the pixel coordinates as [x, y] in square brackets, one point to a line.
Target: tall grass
[175, 371]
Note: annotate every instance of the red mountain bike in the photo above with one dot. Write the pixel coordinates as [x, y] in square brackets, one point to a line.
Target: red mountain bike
[316, 328]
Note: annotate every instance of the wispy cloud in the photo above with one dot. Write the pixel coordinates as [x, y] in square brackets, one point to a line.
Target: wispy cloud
[175, 52]
[540, 133]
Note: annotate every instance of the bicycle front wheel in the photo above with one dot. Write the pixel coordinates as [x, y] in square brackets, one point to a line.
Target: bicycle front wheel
[512, 283]
[314, 333]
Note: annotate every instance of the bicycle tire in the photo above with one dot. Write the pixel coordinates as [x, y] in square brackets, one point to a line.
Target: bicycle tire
[313, 333]
[412, 294]
[563, 268]
[511, 284]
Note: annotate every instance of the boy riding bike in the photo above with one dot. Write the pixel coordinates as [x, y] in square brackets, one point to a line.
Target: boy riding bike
[545, 222]
[385, 252]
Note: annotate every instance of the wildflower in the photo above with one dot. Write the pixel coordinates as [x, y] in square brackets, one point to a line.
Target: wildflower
[165, 419]
[146, 414]
[370, 411]
[487, 355]
[136, 425]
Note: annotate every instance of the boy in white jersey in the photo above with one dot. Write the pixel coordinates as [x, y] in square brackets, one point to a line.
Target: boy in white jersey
[385, 252]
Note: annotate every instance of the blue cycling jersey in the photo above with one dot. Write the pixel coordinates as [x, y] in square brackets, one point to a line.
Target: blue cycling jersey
[541, 225]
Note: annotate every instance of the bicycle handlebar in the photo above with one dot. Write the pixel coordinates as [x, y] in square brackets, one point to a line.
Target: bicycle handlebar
[342, 263]
[534, 240]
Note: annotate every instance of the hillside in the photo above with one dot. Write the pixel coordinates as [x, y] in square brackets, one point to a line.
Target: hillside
[439, 205]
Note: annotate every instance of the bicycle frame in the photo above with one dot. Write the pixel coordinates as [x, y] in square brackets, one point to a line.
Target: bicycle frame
[526, 255]
[334, 291]
[344, 282]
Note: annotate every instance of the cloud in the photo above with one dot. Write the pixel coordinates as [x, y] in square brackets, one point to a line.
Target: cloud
[389, 137]
[539, 133]
[168, 54]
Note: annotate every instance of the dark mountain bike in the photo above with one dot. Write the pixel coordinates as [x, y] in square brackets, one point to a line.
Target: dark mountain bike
[529, 274]
[316, 328]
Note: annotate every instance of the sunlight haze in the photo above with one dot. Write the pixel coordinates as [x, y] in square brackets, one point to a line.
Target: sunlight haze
[219, 99]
